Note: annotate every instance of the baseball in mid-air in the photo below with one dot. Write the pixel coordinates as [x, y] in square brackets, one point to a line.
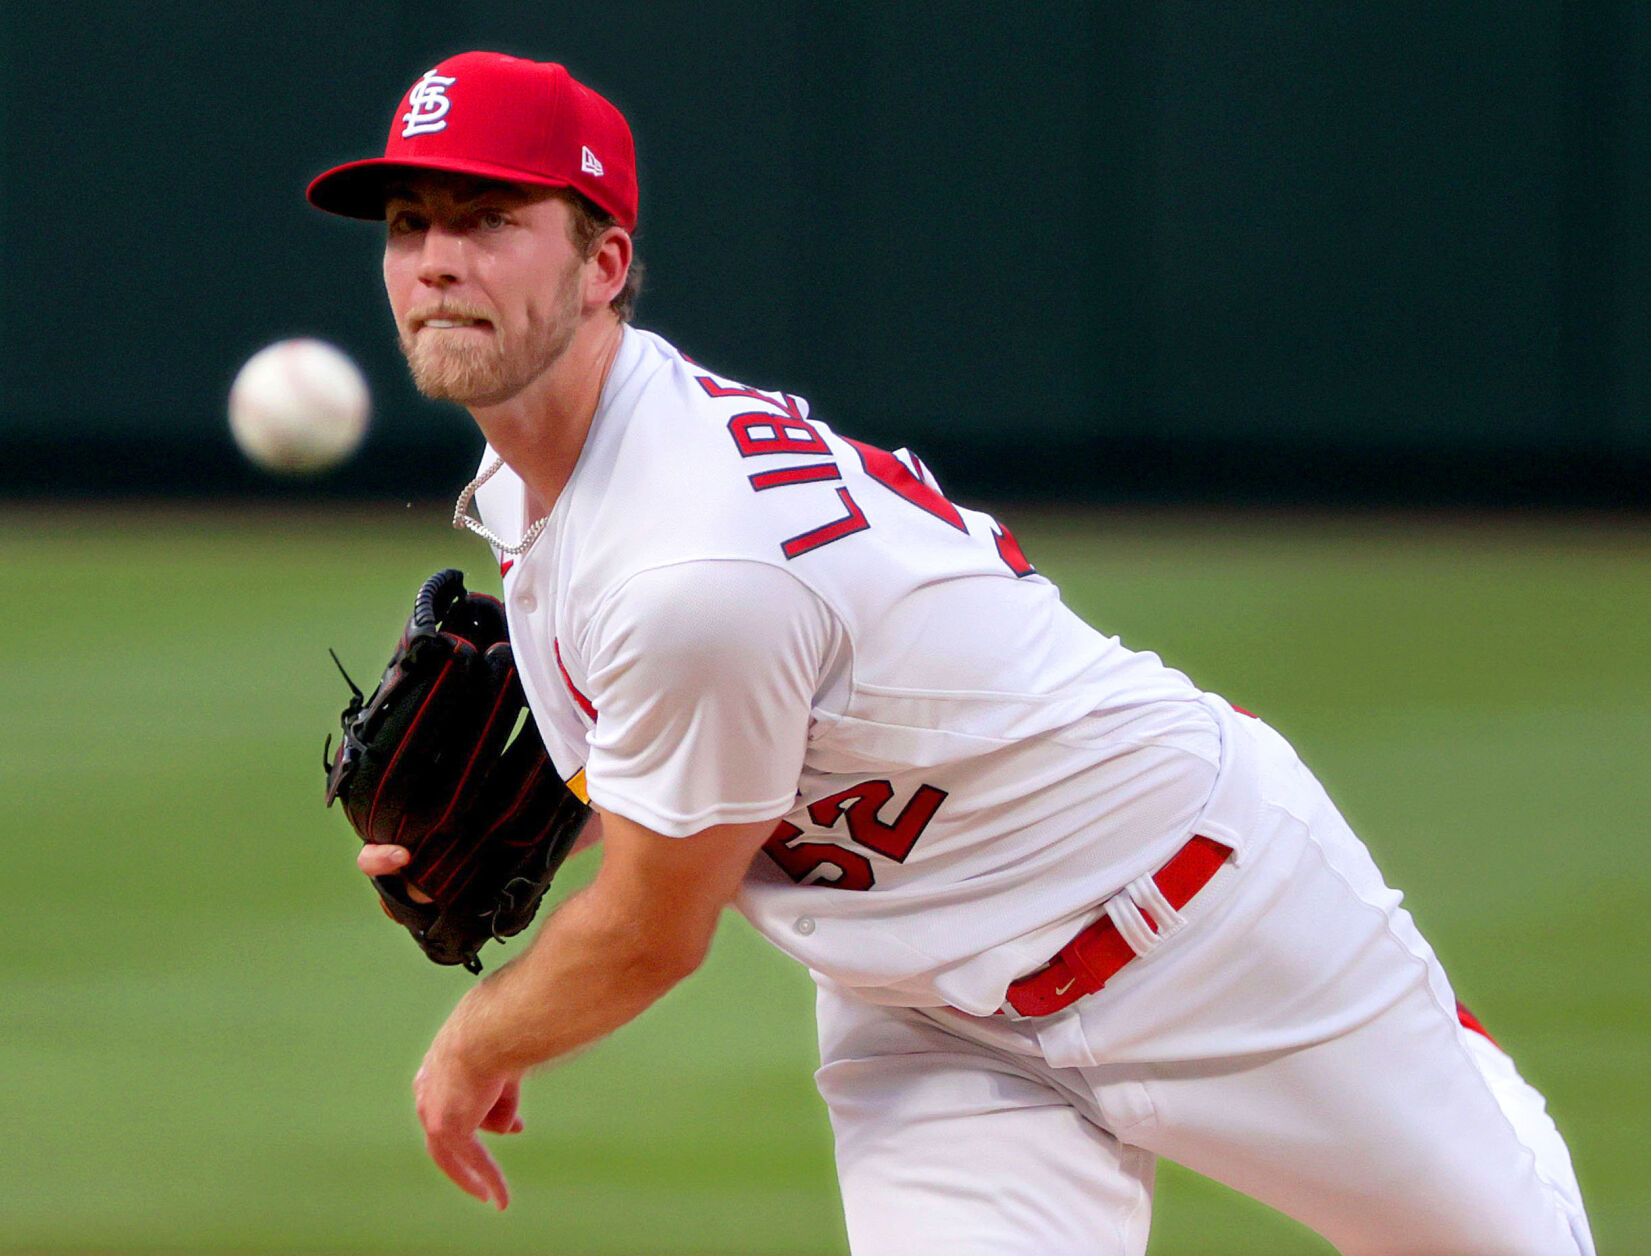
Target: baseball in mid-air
[299, 407]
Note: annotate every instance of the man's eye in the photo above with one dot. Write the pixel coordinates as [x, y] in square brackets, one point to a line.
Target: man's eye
[492, 219]
[405, 224]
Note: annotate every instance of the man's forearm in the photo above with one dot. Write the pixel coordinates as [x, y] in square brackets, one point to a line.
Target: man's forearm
[641, 926]
[588, 972]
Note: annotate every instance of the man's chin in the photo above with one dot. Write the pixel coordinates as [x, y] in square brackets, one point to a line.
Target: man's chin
[465, 385]
[463, 394]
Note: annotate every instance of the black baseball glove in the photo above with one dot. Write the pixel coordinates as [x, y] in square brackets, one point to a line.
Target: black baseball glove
[433, 761]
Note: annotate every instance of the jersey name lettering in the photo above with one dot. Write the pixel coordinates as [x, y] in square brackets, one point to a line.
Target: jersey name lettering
[784, 430]
[758, 432]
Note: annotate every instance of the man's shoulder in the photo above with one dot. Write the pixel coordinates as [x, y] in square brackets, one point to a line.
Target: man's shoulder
[662, 378]
[737, 603]
[676, 466]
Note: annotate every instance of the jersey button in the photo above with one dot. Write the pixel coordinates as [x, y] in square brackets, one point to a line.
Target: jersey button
[527, 602]
[804, 925]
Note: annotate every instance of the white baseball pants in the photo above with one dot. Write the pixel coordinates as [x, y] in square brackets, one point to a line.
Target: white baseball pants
[1296, 1040]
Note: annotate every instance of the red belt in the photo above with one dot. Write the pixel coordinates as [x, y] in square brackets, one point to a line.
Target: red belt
[1093, 958]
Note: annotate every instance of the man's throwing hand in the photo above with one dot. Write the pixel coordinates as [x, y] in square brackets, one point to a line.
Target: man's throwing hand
[454, 1101]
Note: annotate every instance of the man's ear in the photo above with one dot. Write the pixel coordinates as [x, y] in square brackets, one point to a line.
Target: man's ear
[612, 258]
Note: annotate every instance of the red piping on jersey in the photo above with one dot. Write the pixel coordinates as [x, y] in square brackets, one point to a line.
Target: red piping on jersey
[584, 702]
[1472, 1022]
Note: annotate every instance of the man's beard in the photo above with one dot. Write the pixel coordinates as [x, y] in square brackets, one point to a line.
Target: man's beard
[482, 369]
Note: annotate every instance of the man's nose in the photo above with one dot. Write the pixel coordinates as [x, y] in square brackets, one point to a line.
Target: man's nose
[441, 261]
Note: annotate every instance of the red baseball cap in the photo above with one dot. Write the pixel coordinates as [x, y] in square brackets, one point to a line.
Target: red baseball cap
[497, 117]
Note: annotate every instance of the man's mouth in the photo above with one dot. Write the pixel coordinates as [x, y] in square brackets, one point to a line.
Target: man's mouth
[448, 322]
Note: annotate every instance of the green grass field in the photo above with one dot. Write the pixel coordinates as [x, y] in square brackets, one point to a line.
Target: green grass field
[207, 1030]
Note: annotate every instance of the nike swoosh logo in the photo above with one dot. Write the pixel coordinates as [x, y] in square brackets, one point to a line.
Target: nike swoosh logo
[1060, 990]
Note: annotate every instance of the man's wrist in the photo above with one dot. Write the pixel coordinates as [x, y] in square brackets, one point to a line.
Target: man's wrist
[479, 1036]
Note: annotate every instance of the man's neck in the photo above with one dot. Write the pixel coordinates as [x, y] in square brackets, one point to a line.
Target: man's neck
[542, 429]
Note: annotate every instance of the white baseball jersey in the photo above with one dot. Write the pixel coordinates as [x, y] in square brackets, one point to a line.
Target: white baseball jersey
[736, 614]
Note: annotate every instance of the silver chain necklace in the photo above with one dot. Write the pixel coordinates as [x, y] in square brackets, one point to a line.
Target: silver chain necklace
[462, 518]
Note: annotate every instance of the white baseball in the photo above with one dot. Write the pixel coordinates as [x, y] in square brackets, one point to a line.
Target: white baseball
[298, 407]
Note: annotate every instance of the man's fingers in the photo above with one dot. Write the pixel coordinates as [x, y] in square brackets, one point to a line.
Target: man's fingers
[452, 1105]
[454, 1167]
[386, 861]
[382, 861]
[470, 1167]
[491, 1173]
[503, 1118]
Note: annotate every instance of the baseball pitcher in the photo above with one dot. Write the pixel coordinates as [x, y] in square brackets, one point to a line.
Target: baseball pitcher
[1067, 912]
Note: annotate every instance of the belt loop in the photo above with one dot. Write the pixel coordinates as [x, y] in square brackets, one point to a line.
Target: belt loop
[1132, 925]
[1135, 922]
[1149, 897]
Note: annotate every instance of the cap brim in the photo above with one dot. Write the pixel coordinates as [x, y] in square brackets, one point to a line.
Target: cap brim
[358, 188]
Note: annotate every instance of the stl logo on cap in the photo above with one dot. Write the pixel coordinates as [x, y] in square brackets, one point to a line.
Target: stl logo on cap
[429, 105]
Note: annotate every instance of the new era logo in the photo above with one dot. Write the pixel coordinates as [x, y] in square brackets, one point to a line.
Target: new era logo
[588, 162]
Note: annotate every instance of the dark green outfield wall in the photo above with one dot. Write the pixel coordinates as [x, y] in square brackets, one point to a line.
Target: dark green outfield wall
[1231, 249]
